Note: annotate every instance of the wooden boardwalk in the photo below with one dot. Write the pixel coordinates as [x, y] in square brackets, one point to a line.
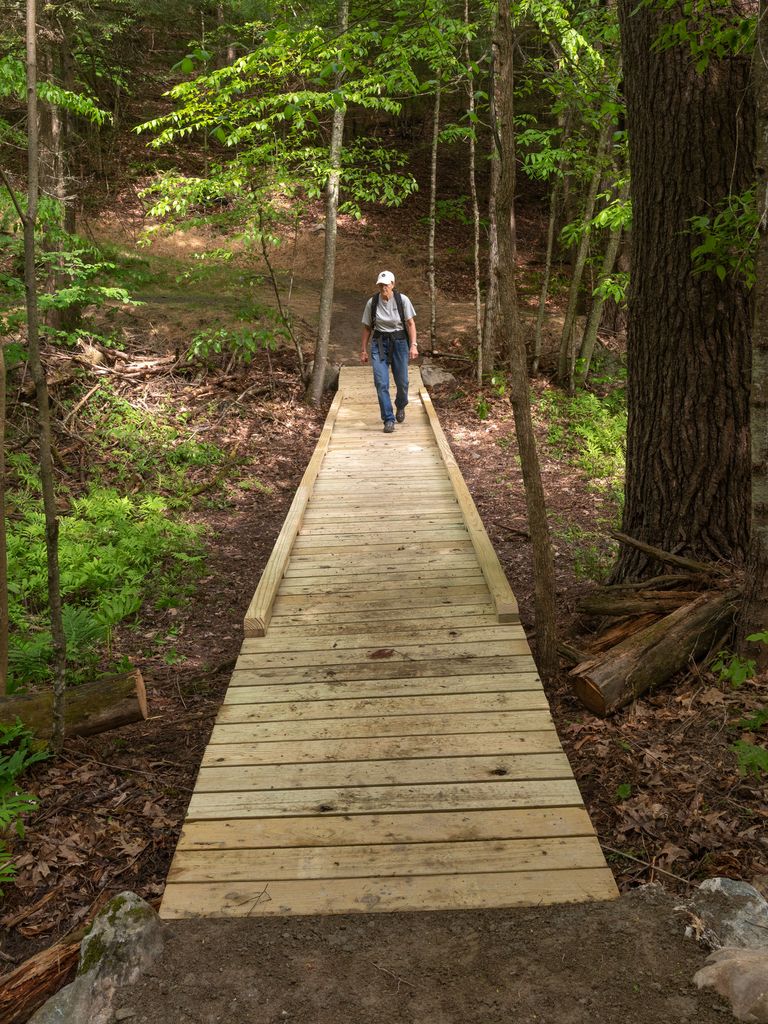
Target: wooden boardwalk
[385, 742]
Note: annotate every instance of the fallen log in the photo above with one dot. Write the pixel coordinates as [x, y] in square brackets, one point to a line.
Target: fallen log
[90, 708]
[617, 633]
[638, 603]
[650, 657]
[665, 556]
[27, 987]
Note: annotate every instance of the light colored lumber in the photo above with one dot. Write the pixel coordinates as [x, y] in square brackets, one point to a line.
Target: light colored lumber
[429, 826]
[392, 652]
[285, 626]
[501, 592]
[277, 690]
[260, 609]
[384, 799]
[436, 892]
[401, 725]
[379, 584]
[380, 669]
[451, 613]
[415, 771]
[362, 707]
[543, 741]
[380, 637]
[388, 861]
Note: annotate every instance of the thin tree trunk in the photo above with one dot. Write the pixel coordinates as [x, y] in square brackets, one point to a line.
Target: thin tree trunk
[567, 348]
[547, 274]
[41, 387]
[596, 312]
[475, 206]
[753, 616]
[432, 217]
[544, 588]
[315, 390]
[3, 547]
[491, 318]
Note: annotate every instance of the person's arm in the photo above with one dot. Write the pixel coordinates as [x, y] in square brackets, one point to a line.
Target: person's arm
[364, 343]
[410, 327]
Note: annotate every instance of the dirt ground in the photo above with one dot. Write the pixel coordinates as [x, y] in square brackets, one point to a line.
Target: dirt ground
[613, 963]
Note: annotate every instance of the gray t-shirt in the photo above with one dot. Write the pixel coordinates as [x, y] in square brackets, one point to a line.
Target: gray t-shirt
[387, 314]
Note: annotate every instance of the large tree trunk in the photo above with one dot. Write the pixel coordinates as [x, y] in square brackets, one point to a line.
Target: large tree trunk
[315, 389]
[41, 387]
[3, 546]
[753, 617]
[544, 589]
[691, 143]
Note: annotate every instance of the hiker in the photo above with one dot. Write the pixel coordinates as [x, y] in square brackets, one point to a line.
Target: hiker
[389, 320]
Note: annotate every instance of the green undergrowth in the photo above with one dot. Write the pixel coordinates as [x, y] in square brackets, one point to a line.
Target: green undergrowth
[125, 548]
[16, 755]
[588, 430]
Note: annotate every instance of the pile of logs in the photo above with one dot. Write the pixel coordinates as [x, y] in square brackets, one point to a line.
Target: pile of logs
[655, 628]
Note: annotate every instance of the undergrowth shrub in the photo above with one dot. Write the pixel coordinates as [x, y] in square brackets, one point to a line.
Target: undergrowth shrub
[16, 755]
[590, 431]
[115, 552]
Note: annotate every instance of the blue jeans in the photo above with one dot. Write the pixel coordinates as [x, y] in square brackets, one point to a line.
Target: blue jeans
[386, 349]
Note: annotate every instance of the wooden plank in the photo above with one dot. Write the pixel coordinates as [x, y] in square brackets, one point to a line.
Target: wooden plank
[378, 584]
[260, 609]
[276, 690]
[380, 634]
[384, 748]
[501, 592]
[326, 567]
[402, 725]
[388, 861]
[409, 652]
[416, 772]
[479, 616]
[436, 892]
[381, 670]
[372, 601]
[362, 707]
[385, 799]
[357, 830]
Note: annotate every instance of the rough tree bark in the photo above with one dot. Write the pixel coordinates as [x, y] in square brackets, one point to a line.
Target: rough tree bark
[3, 547]
[753, 616]
[544, 592]
[315, 390]
[691, 144]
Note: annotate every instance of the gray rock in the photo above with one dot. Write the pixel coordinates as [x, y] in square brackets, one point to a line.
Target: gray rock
[741, 977]
[735, 911]
[433, 374]
[124, 939]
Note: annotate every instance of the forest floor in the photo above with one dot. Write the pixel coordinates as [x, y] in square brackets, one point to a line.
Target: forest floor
[659, 780]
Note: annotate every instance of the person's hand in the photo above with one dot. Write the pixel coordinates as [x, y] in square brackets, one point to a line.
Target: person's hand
[413, 352]
[364, 355]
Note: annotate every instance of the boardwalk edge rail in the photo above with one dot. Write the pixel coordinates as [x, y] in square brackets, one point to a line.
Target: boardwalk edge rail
[259, 611]
[503, 599]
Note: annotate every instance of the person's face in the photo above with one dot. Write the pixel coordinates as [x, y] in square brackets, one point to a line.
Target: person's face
[385, 291]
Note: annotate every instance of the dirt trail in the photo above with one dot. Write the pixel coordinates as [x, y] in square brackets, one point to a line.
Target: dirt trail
[616, 963]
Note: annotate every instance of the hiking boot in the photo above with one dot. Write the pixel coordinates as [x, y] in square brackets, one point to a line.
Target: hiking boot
[400, 415]
[389, 427]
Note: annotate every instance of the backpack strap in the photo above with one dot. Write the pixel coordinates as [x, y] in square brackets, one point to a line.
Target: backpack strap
[374, 308]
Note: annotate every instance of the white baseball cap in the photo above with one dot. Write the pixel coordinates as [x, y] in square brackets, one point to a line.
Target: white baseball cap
[385, 277]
